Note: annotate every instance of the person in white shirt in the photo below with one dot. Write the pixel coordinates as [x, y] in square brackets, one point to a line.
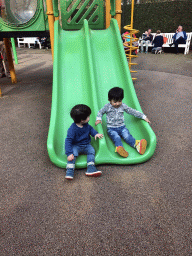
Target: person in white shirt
[180, 37]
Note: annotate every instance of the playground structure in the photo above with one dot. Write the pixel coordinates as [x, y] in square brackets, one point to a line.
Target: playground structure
[88, 61]
[132, 39]
[21, 18]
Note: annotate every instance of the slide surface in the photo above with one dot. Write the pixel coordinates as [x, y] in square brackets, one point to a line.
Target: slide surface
[87, 64]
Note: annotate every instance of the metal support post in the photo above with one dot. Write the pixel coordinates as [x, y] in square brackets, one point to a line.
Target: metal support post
[118, 13]
[10, 60]
[51, 20]
[14, 50]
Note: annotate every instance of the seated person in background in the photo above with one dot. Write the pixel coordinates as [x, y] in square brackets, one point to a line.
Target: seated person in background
[2, 71]
[126, 39]
[135, 44]
[126, 42]
[157, 42]
[180, 37]
[44, 42]
[146, 39]
[4, 65]
[144, 36]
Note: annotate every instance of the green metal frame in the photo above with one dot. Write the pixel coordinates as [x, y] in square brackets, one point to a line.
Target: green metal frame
[14, 50]
[39, 22]
[55, 8]
[78, 11]
[113, 5]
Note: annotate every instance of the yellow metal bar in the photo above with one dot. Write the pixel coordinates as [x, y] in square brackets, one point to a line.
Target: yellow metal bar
[51, 20]
[132, 56]
[118, 13]
[10, 60]
[131, 47]
[131, 31]
[132, 11]
[132, 39]
[107, 13]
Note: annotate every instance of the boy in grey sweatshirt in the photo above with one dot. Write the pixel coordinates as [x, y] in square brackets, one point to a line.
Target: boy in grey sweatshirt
[116, 125]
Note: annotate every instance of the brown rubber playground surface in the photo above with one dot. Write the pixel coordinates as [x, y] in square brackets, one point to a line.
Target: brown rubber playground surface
[130, 210]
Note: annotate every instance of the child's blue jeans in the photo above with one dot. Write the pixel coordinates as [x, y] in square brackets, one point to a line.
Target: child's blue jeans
[84, 150]
[121, 132]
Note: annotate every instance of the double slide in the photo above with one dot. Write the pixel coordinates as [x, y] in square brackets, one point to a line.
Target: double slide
[87, 64]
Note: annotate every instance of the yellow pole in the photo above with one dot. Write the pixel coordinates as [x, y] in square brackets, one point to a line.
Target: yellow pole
[118, 13]
[51, 20]
[131, 47]
[132, 11]
[107, 13]
[131, 33]
[10, 60]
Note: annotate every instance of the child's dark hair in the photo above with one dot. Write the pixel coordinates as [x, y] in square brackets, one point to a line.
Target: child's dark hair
[80, 112]
[116, 94]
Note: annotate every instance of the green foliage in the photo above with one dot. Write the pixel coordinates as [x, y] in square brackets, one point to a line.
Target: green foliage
[165, 16]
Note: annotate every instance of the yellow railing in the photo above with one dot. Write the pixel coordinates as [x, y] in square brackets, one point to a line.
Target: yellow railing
[130, 46]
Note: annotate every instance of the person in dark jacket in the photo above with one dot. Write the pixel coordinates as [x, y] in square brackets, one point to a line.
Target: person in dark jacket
[147, 37]
[180, 37]
[157, 42]
[4, 65]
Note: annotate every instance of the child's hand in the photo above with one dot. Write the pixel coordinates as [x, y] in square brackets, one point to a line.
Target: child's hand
[98, 135]
[147, 120]
[70, 157]
[98, 122]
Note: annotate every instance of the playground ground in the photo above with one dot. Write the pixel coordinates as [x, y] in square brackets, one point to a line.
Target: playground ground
[134, 210]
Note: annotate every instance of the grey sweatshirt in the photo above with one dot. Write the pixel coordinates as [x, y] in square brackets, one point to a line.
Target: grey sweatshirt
[115, 116]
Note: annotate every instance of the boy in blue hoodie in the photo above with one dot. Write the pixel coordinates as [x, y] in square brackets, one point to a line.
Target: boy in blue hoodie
[78, 141]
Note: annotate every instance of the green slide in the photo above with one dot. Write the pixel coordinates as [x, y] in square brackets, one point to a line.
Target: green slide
[87, 64]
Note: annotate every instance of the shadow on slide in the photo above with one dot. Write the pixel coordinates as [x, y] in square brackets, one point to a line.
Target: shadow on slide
[87, 64]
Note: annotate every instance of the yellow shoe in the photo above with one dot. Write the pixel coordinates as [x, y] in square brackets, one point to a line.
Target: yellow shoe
[121, 151]
[136, 142]
[141, 146]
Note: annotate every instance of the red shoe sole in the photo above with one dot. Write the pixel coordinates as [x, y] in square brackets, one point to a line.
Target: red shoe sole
[143, 146]
[67, 178]
[97, 174]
